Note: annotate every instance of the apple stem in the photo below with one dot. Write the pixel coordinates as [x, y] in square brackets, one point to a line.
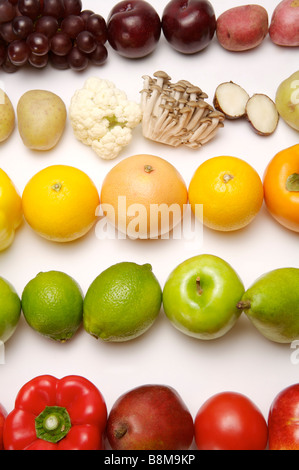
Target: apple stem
[244, 305]
[199, 289]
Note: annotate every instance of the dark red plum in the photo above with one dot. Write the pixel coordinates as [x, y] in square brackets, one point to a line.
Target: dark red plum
[189, 26]
[134, 28]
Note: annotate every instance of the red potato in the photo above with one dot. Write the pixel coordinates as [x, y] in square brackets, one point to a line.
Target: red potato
[284, 26]
[242, 28]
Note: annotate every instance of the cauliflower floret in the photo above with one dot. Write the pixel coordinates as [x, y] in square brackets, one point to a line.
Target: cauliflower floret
[103, 118]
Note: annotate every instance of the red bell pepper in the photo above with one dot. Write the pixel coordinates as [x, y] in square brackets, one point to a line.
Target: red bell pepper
[3, 415]
[56, 414]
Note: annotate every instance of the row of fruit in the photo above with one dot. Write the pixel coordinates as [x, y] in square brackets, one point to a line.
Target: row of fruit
[35, 32]
[203, 297]
[71, 414]
[61, 203]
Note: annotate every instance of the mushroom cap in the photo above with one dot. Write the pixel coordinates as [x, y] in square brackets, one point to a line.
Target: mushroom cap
[161, 74]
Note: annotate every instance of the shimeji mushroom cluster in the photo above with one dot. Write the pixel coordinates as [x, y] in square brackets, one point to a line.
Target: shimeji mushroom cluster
[176, 113]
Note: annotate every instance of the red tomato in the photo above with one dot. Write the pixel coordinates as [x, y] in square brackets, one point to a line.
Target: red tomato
[3, 415]
[230, 421]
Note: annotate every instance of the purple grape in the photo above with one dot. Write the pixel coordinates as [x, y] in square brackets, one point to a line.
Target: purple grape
[22, 26]
[53, 8]
[61, 44]
[85, 14]
[58, 61]
[7, 11]
[8, 67]
[18, 52]
[99, 55]
[29, 8]
[77, 60]
[38, 43]
[38, 61]
[7, 33]
[96, 24]
[86, 42]
[47, 25]
[72, 25]
[72, 7]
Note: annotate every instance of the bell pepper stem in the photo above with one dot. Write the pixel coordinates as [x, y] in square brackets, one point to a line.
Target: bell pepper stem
[52, 424]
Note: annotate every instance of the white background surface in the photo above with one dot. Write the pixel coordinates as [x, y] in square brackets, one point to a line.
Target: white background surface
[243, 360]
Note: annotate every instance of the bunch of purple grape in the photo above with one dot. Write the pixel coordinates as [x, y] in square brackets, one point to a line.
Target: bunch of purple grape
[37, 32]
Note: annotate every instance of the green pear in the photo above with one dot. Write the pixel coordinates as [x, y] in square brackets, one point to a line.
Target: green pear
[287, 100]
[272, 304]
[41, 119]
[7, 116]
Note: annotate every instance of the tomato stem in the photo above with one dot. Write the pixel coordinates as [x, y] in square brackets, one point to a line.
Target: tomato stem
[292, 183]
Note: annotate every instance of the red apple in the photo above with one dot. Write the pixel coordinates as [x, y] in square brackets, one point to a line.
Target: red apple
[3, 415]
[283, 420]
[134, 28]
[189, 26]
[150, 417]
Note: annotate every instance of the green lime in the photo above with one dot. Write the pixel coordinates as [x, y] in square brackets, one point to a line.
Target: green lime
[10, 310]
[122, 302]
[52, 304]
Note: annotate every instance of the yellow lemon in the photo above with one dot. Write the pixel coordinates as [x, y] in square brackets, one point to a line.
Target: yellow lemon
[10, 210]
[60, 203]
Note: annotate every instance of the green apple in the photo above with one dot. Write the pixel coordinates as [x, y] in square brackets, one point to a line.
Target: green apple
[200, 297]
[287, 100]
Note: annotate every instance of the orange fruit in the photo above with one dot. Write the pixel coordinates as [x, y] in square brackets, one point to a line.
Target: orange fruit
[281, 187]
[229, 190]
[144, 196]
[60, 203]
